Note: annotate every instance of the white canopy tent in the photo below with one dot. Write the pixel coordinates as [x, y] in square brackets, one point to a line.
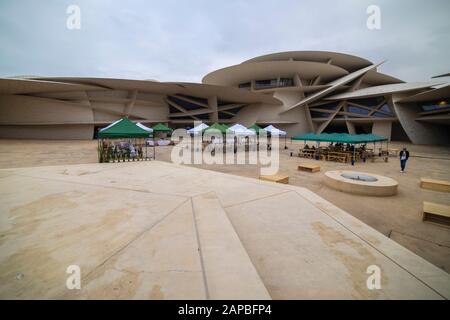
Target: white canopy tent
[240, 130]
[198, 129]
[242, 134]
[275, 131]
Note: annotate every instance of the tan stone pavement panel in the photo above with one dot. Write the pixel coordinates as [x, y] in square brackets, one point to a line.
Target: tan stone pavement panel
[161, 263]
[84, 225]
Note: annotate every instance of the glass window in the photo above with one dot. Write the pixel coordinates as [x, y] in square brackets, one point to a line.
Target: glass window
[286, 82]
[264, 84]
[386, 108]
[328, 106]
[381, 115]
[246, 85]
[435, 105]
[357, 110]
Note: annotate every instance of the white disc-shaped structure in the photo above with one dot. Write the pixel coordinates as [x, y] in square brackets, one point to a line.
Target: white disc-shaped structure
[362, 183]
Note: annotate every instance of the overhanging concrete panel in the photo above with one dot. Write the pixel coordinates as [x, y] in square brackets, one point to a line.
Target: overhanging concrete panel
[418, 132]
[382, 90]
[234, 75]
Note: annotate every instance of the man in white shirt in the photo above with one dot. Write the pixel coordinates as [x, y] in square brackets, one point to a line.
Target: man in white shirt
[404, 156]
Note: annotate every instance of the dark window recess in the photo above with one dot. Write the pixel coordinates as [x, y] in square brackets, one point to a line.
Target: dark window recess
[185, 104]
[381, 115]
[223, 103]
[204, 116]
[235, 110]
[201, 100]
[286, 82]
[435, 105]
[266, 84]
[247, 85]
[357, 110]
[173, 109]
[369, 102]
[317, 114]
[274, 83]
[336, 128]
[96, 130]
[328, 106]
[182, 118]
[225, 115]
[386, 108]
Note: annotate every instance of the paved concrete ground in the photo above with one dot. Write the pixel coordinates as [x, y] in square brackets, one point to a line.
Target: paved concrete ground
[156, 230]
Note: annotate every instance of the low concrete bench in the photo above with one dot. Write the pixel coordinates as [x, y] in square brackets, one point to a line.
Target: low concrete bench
[436, 213]
[276, 178]
[310, 167]
[435, 185]
[393, 152]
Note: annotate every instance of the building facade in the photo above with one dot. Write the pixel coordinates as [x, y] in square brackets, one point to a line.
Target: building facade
[298, 91]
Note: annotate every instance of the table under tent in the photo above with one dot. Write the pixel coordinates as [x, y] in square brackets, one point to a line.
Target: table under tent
[162, 132]
[124, 140]
[243, 137]
[217, 134]
[343, 147]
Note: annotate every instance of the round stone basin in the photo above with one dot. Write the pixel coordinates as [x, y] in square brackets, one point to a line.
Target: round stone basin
[359, 177]
[362, 183]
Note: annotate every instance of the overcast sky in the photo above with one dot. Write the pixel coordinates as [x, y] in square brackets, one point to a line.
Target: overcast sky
[183, 40]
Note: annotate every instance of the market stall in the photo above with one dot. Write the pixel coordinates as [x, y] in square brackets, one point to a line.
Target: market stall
[124, 140]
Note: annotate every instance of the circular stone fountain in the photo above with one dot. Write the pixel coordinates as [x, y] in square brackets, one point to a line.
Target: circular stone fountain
[361, 183]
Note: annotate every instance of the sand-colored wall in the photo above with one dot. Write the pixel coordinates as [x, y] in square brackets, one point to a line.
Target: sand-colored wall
[294, 122]
[382, 128]
[51, 132]
[16, 109]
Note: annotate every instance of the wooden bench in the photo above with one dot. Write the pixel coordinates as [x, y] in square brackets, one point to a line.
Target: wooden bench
[310, 167]
[276, 178]
[307, 154]
[435, 185]
[436, 213]
[338, 158]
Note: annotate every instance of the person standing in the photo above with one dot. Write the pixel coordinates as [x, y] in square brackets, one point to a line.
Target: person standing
[404, 156]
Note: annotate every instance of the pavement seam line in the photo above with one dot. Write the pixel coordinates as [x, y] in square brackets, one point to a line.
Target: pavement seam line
[417, 238]
[202, 263]
[108, 187]
[124, 247]
[256, 199]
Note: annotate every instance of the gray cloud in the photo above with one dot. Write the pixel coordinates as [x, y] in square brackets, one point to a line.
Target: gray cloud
[183, 40]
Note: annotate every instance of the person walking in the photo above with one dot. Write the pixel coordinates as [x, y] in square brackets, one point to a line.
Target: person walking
[404, 156]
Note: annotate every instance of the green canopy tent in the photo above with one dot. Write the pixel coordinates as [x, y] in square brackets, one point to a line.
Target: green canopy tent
[161, 128]
[341, 137]
[353, 139]
[122, 129]
[216, 126]
[258, 130]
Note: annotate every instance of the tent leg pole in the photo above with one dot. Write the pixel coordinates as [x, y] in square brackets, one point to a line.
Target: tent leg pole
[354, 155]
